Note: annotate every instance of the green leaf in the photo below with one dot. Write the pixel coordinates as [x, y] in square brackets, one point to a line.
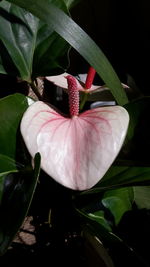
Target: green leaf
[6, 63]
[95, 248]
[33, 46]
[71, 3]
[7, 165]
[16, 184]
[100, 230]
[142, 197]
[125, 175]
[122, 176]
[50, 54]
[18, 193]
[10, 38]
[78, 39]
[112, 241]
[118, 202]
[2, 70]
[98, 216]
[11, 112]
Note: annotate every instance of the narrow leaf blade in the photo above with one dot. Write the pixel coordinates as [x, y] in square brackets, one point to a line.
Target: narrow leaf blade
[78, 39]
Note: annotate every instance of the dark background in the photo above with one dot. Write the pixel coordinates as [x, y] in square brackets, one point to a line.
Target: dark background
[121, 29]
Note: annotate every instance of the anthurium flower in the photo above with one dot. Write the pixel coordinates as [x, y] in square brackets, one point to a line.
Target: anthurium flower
[84, 82]
[76, 150]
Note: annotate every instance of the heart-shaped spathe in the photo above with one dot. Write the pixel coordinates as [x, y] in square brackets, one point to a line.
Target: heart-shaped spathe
[76, 151]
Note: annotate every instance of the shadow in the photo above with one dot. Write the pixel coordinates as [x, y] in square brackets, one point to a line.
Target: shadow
[7, 62]
[13, 18]
[134, 230]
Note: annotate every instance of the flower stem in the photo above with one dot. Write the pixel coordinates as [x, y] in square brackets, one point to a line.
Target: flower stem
[90, 78]
[88, 84]
[84, 99]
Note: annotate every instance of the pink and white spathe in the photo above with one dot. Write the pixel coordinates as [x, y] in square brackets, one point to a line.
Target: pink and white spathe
[76, 151]
[84, 84]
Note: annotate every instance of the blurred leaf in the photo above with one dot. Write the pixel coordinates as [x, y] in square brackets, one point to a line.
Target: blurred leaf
[118, 201]
[100, 229]
[48, 12]
[11, 111]
[33, 46]
[99, 95]
[97, 223]
[18, 193]
[95, 247]
[142, 197]
[121, 176]
[71, 3]
[2, 177]
[8, 165]
[2, 70]
[107, 208]
[125, 175]
[98, 216]
[135, 91]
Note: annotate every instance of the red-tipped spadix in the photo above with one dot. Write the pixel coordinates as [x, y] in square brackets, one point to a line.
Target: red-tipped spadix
[75, 151]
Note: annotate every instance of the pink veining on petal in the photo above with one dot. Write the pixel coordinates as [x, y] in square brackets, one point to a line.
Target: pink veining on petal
[76, 151]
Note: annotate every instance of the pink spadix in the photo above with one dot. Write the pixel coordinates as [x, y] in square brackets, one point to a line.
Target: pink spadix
[76, 151]
[73, 96]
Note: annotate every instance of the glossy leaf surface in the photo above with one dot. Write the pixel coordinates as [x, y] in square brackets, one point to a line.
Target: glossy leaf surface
[34, 48]
[11, 110]
[118, 202]
[98, 216]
